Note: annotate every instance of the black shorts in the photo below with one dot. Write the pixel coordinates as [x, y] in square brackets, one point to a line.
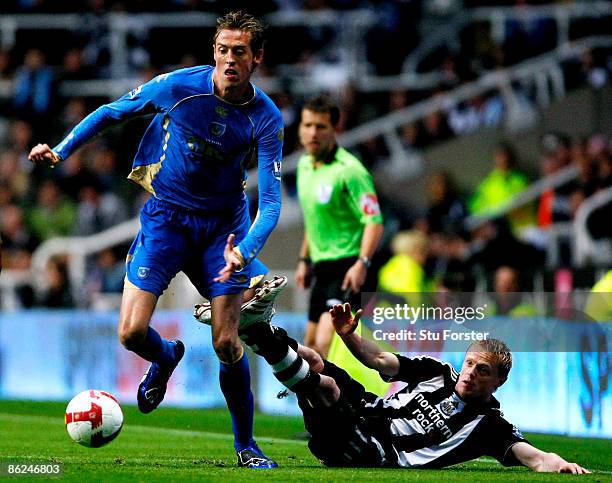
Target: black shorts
[339, 436]
[327, 288]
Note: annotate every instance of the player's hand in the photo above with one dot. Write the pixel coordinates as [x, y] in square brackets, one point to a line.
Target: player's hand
[343, 320]
[233, 260]
[42, 153]
[572, 468]
[303, 274]
[552, 462]
[355, 277]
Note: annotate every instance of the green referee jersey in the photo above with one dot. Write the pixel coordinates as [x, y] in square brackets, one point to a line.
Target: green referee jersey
[338, 199]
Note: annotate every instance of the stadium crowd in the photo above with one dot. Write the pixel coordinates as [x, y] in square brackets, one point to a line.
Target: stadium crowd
[88, 194]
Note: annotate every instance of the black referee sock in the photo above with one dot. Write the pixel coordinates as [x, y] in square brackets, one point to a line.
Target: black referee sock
[280, 351]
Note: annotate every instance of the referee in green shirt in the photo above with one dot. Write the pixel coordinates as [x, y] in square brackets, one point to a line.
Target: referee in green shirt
[342, 220]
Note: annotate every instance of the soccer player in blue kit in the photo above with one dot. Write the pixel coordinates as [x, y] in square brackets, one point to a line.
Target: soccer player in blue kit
[209, 123]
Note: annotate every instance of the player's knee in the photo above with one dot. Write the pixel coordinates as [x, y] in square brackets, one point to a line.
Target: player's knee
[131, 336]
[227, 347]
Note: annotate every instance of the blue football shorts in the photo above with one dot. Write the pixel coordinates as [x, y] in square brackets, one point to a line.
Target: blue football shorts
[173, 239]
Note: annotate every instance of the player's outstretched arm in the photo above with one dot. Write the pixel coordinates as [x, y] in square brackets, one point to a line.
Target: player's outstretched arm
[367, 352]
[541, 461]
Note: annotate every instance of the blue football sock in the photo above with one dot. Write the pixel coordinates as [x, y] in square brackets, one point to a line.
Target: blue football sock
[235, 382]
[155, 349]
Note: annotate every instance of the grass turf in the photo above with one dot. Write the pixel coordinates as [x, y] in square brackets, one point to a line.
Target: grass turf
[193, 444]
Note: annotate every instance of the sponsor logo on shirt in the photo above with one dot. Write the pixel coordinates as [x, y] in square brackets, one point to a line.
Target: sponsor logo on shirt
[429, 417]
[324, 193]
[369, 204]
[205, 148]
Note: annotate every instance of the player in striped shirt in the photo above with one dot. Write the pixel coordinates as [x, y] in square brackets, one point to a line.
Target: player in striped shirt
[439, 419]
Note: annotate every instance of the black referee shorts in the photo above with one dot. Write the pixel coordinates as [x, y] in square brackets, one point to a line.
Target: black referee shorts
[327, 288]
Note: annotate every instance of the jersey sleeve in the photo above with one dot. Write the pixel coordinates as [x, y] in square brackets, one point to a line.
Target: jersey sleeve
[362, 195]
[154, 96]
[414, 370]
[498, 437]
[269, 156]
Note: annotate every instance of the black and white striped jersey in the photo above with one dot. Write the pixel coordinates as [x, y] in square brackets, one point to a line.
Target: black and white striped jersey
[426, 424]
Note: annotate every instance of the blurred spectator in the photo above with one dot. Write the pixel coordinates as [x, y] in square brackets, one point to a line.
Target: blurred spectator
[97, 211]
[528, 34]
[107, 274]
[500, 186]
[56, 292]
[395, 26]
[483, 110]
[5, 65]
[372, 151]
[445, 209]
[593, 69]
[17, 242]
[15, 177]
[560, 204]
[494, 245]
[508, 298]
[74, 112]
[7, 196]
[434, 128]
[73, 66]
[34, 89]
[403, 273]
[53, 214]
[73, 175]
[20, 140]
[104, 166]
[95, 38]
[599, 302]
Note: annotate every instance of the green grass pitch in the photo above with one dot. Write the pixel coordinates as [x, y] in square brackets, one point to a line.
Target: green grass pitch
[196, 445]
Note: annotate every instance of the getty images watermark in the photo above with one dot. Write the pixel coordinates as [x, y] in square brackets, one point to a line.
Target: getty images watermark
[528, 322]
[414, 315]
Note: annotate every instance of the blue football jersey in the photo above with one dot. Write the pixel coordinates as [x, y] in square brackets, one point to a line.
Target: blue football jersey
[195, 152]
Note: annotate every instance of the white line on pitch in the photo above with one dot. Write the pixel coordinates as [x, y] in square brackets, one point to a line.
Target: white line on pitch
[150, 429]
[188, 432]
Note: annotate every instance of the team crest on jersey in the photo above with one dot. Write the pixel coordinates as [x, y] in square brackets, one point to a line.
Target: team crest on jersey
[369, 204]
[324, 193]
[277, 170]
[221, 111]
[143, 272]
[447, 407]
[280, 134]
[216, 128]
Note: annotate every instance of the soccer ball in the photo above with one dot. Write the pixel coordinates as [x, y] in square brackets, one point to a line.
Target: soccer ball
[93, 418]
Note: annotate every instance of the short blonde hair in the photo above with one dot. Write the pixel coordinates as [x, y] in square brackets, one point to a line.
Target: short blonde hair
[408, 242]
[500, 354]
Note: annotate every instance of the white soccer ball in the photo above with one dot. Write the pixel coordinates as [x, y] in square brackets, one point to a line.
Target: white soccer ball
[93, 418]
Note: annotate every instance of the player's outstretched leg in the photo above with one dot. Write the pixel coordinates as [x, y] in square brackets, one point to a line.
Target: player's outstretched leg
[259, 308]
[152, 388]
[281, 352]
